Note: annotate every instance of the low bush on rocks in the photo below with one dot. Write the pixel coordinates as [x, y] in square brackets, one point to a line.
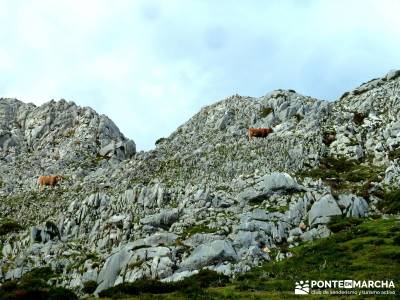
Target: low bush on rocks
[89, 287]
[394, 154]
[43, 274]
[8, 226]
[340, 223]
[265, 111]
[358, 118]
[345, 94]
[299, 117]
[60, 293]
[33, 285]
[189, 286]
[139, 287]
[188, 232]
[390, 203]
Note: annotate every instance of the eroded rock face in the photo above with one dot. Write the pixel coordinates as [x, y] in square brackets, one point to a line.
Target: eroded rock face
[206, 197]
[165, 218]
[322, 210]
[112, 268]
[353, 206]
[211, 253]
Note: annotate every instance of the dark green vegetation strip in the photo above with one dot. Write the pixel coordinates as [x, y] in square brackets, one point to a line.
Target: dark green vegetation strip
[360, 251]
[189, 287]
[188, 232]
[265, 111]
[33, 285]
[8, 226]
[394, 154]
[341, 223]
[390, 203]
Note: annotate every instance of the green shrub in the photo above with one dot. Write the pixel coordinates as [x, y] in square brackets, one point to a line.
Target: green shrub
[8, 226]
[138, 287]
[265, 111]
[390, 202]
[43, 273]
[345, 94]
[394, 154]
[358, 118]
[197, 229]
[341, 223]
[189, 286]
[160, 141]
[33, 285]
[206, 278]
[60, 293]
[9, 286]
[340, 164]
[89, 286]
[299, 117]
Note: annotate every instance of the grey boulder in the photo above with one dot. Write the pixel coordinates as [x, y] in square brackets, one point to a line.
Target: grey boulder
[275, 182]
[322, 210]
[209, 254]
[163, 219]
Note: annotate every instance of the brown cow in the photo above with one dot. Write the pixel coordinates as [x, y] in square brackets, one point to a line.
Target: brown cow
[259, 132]
[50, 180]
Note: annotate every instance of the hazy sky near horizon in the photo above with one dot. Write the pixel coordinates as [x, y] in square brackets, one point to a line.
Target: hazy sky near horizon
[150, 65]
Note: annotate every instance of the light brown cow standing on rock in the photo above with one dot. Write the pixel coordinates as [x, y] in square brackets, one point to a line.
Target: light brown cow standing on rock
[259, 132]
[50, 180]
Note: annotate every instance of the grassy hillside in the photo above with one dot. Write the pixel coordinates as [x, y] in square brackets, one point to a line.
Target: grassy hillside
[359, 250]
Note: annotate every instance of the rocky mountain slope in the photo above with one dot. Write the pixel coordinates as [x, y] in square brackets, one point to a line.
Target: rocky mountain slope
[206, 197]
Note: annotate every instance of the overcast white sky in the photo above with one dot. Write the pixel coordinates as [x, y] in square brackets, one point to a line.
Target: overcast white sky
[150, 65]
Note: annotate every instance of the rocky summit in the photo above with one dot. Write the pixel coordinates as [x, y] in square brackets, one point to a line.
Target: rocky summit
[207, 196]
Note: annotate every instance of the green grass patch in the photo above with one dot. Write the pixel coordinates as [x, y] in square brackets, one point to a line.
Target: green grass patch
[341, 223]
[282, 209]
[188, 232]
[365, 251]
